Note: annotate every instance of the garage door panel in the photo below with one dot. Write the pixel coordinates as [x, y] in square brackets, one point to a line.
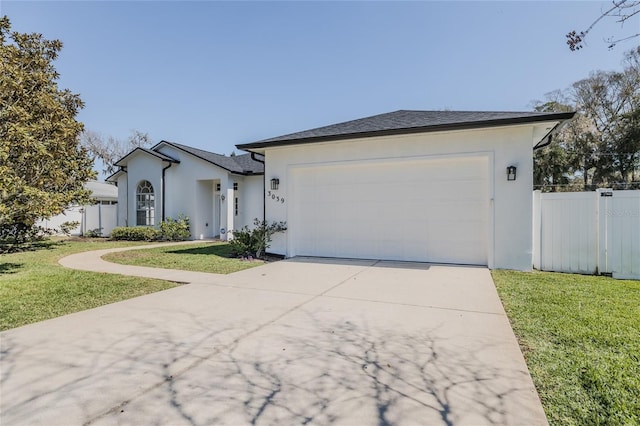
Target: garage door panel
[429, 210]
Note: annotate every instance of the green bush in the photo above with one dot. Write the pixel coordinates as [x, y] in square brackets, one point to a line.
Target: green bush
[135, 233]
[254, 242]
[175, 229]
[93, 233]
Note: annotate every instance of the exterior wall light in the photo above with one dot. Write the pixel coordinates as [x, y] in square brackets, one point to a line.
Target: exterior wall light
[511, 173]
[275, 182]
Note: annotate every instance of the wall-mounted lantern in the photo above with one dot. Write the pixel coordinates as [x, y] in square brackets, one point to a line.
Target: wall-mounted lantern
[511, 173]
[275, 182]
[222, 197]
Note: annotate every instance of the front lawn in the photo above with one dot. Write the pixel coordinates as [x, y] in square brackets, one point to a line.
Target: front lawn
[580, 336]
[34, 287]
[200, 257]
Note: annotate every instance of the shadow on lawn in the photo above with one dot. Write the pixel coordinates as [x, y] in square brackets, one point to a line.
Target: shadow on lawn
[9, 268]
[8, 247]
[222, 250]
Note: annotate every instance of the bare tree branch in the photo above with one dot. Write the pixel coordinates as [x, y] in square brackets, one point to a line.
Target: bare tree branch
[623, 9]
[110, 149]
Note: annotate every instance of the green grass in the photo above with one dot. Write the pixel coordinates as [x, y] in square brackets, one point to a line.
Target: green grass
[34, 287]
[205, 257]
[580, 336]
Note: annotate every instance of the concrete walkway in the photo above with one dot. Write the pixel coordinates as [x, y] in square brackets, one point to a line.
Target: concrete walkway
[318, 341]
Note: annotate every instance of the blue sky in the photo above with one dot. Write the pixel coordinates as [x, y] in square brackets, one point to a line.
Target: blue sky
[214, 74]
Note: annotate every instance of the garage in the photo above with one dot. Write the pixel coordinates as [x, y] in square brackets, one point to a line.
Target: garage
[422, 186]
[426, 210]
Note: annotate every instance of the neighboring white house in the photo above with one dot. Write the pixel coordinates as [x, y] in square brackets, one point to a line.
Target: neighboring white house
[217, 193]
[429, 186]
[99, 217]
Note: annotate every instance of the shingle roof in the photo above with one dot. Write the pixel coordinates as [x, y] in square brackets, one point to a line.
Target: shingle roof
[405, 121]
[240, 164]
[157, 154]
[101, 190]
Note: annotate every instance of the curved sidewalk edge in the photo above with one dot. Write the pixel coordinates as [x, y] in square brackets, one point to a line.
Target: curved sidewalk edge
[92, 261]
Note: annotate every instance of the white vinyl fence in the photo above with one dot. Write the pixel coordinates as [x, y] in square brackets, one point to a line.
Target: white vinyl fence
[587, 232]
[91, 218]
[100, 217]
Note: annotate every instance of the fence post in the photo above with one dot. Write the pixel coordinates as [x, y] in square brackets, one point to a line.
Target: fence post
[603, 205]
[537, 228]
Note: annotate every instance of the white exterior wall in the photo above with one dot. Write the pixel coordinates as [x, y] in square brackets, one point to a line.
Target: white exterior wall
[190, 190]
[123, 200]
[143, 167]
[511, 203]
[251, 206]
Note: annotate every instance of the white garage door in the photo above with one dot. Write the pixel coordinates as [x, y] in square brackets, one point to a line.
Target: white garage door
[433, 210]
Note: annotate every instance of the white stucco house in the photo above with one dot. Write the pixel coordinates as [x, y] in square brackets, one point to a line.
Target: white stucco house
[218, 193]
[427, 186]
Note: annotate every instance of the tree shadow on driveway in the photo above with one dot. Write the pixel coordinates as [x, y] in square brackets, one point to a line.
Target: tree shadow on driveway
[319, 361]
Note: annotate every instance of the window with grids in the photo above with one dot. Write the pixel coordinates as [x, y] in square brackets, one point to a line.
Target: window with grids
[145, 204]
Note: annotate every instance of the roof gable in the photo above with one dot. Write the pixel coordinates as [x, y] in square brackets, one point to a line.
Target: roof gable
[406, 121]
[123, 161]
[239, 164]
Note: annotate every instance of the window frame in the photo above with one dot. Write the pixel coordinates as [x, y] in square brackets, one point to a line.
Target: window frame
[145, 204]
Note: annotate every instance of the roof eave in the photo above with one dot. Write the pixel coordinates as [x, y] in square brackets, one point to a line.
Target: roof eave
[546, 140]
[204, 159]
[115, 174]
[146, 151]
[564, 116]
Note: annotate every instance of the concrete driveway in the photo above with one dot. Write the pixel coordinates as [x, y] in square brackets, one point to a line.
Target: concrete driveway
[318, 341]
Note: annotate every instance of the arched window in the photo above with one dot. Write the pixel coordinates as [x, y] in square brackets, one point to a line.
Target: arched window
[145, 204]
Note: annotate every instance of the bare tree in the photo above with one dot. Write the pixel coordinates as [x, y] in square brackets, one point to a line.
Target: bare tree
[621, 10]
[110, 149]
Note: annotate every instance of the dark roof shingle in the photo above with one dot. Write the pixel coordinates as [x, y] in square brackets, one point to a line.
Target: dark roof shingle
[406, 121]
[240, 164]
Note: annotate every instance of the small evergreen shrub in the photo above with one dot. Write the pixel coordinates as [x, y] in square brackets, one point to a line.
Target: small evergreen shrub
[175, 229]
[135, 233]
[254, 242]
[93, 233]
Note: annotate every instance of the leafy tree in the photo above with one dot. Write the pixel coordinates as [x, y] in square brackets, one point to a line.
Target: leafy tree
[611, 100]
[551, 163]
[42, 166]
[621, 10]
[601, 146]
[110, 149]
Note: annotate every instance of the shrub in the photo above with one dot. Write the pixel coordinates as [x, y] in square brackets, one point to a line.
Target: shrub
[254, 242]
[135, 233]
[175, 229]
[93, 233]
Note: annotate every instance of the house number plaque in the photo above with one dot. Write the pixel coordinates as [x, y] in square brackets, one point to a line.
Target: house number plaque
[274, 197]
